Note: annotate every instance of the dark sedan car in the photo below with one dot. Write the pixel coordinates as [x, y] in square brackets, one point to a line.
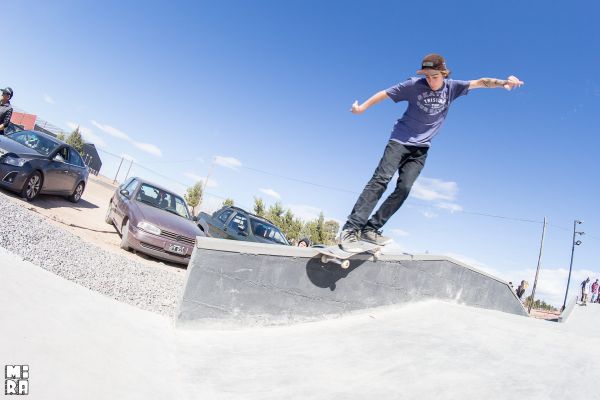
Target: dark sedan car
[153, 220]
[33, 162]
[235, 223]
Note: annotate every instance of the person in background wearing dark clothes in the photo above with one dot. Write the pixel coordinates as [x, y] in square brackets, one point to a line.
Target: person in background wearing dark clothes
[6, 109]
[521, 289]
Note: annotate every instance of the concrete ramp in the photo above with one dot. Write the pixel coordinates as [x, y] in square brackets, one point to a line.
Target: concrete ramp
[249, 283]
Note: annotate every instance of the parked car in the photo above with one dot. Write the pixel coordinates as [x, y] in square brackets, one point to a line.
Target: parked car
[153, 220]
[237, 224]
[32, 163]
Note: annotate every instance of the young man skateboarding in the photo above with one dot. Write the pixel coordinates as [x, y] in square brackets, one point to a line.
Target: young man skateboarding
[428, 99]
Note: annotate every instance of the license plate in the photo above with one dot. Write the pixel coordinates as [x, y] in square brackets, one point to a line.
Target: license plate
[175, 248]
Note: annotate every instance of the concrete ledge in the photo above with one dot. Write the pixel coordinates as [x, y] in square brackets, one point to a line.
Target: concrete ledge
[568, 310]
[252, 283]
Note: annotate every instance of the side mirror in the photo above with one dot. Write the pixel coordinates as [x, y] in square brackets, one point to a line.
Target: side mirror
[124, 192]
[58, 158]
[195, 218]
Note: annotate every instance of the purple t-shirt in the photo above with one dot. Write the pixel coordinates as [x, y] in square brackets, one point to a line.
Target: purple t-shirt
[427, 109]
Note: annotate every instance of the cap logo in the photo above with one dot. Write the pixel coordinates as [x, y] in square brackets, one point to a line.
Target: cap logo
[428, 64]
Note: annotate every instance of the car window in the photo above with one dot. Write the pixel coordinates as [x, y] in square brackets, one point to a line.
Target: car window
[75, 158]
[239, 223]
[34, 141]
[225, 215]
[267, 231]
[131, 186]
[64, 153]
[162, 199]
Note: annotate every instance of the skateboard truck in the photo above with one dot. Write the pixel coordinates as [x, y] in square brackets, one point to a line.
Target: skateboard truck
[345, 264]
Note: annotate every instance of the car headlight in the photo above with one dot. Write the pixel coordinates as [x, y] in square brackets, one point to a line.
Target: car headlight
[16, 161]
[148, 227]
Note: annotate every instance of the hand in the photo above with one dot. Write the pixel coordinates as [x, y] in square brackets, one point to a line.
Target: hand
[512, 82]
[356, 109]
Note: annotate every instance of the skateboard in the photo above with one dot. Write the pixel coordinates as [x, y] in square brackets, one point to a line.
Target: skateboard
[336, 255]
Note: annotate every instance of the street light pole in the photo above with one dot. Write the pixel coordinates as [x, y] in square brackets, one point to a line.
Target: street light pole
[537, 271]
[575, 243]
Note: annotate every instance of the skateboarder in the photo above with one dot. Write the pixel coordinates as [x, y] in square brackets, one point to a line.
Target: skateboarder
[428, 100]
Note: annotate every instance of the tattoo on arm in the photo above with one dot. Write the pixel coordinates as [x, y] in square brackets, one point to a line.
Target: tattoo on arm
[492, 83]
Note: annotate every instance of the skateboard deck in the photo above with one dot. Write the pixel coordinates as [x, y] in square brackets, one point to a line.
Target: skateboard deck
[336, 255]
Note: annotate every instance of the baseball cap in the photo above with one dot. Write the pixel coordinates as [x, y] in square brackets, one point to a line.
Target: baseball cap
[8, 90]
[432, 62]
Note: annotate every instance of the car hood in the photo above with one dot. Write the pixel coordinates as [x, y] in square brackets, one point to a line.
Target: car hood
[166, 220]
[10, 146]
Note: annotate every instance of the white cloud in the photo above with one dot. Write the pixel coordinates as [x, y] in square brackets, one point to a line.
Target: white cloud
[48, 99]
[88, 135]
[228, 162]
[429, 214]
[452, 207]
[198, 178]
[271, 193]
[304, 212]
[399, 232]
[431, 189]
[116, 133]
[395, 248]
[148, 148]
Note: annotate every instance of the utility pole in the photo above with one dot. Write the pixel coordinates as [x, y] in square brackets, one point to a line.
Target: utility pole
[537, 272]
[118, 169]
[212, 165]
[575, 243]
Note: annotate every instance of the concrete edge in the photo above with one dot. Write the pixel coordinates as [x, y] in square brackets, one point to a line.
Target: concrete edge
[293, 251]
[568, 310]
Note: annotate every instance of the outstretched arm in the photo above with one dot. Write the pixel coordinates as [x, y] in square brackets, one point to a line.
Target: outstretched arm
[376, 98]
[508, 84]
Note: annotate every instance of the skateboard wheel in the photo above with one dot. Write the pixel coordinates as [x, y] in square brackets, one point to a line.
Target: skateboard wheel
[346, 264]
[324, 259]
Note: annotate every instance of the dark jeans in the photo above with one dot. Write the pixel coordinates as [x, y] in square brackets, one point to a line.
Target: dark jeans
[408, 161]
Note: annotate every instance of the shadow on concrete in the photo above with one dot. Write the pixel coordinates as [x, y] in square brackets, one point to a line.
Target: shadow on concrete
[49, 201]
[327, 275]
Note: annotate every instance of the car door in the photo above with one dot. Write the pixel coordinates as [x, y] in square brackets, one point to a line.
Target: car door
[56, 172]
[77, 169]
[218, 225]
[237, 228]
[121, 202]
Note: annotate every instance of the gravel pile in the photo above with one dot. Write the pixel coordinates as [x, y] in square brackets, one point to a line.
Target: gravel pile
[30, 236]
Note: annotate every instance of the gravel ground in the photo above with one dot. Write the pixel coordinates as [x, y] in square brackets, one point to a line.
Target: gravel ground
[30, 236]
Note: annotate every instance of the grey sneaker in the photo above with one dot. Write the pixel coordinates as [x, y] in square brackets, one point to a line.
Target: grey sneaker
[375, 237]
[349, 241]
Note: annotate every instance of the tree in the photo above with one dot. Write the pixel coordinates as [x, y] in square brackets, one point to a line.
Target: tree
[60, 136]
[275, 214]
[76, 140]
[331, 229]
[193, 195]
[228, 203]
[259, 207]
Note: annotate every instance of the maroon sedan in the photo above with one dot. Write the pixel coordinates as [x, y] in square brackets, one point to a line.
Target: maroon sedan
[153, 220]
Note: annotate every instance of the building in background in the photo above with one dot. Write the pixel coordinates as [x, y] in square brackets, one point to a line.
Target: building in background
[92, 158]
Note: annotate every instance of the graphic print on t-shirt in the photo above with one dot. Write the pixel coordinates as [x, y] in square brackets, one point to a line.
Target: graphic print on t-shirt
[433, 103]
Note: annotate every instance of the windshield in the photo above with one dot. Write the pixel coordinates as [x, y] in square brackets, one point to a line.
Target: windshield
[39, 143]
[267, 231]
[159, 198]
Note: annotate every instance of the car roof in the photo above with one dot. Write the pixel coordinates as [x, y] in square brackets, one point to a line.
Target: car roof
[252, 215]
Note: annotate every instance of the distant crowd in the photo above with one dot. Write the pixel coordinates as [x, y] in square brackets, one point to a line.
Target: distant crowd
[586, 289]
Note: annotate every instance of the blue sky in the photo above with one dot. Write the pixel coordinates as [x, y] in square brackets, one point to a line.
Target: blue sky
[267, 86]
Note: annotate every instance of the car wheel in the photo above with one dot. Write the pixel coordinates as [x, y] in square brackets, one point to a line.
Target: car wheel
[76, 196]
[125, 236]
[107, 217]
[32, 186]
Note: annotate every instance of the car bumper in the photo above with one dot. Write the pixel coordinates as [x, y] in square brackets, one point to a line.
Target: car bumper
[13, 178]
[156, 246]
